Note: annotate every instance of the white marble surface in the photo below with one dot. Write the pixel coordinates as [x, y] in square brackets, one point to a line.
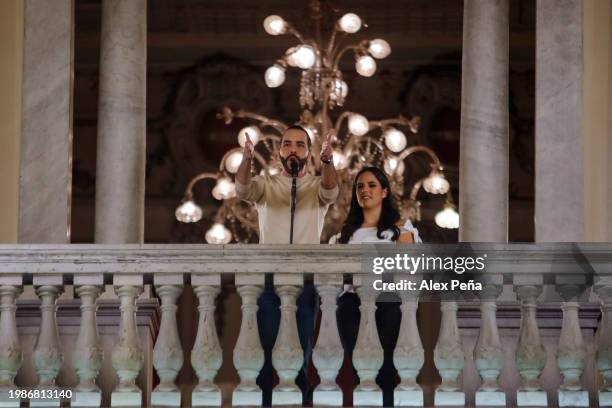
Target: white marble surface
[120, 170]
[46, 122]
[573, 398]
[483, 163]
[531, 399]
[559, 201]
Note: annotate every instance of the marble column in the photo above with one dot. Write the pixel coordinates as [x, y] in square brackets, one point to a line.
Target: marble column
[46, 122]
[168, 352]
[483, 163]
[328, 353]
[120, 171]
[10, 348]
[559, 209]
[408, 356]
[248, 353]
[530, 353]
[287, 354]
[206, 355]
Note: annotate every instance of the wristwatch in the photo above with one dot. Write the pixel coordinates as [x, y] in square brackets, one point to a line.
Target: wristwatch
[328, 161]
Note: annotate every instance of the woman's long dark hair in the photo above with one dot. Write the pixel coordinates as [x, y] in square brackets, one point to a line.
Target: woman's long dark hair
[389, 215]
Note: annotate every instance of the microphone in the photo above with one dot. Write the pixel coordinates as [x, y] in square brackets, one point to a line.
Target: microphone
[294, 173]
[294, 168]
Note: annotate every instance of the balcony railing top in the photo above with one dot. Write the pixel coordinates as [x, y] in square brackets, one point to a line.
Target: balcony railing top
[557, 258]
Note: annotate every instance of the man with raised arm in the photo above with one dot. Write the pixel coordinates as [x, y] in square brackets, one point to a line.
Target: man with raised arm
[272, 193]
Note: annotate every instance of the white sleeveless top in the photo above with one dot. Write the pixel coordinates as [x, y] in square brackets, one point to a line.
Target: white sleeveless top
[368, 235]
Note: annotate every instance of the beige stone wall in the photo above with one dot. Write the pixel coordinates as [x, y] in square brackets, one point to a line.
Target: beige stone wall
[11, 46]
[597, 119]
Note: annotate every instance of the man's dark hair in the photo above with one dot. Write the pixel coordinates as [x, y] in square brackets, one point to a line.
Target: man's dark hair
[298, 127]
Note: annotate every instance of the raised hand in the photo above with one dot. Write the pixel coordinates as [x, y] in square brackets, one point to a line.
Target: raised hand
[247, 154]
[326, 148]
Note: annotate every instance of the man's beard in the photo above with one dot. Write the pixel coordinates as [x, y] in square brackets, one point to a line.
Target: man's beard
[286, 161]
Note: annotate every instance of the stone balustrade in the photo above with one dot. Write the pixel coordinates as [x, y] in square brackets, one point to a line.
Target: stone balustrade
[528, 338]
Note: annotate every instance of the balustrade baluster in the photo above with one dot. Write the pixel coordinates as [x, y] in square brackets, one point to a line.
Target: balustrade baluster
[47, 355]
[530, 354]
[248, 353]
[206, 355]
[604, 345]
[368, 354]
[408, 356]
[488, 352]
[10, 348]
[449, 358]
[127, 356]
[571, 353]
[87, 357]
[328, 352]
[167, 353]
[287, 354]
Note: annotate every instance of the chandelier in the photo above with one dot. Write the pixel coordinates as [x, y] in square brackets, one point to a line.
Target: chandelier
[359, 141]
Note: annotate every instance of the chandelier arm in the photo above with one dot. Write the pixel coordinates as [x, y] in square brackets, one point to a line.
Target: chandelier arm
[193, 181]
[416, 188]
[414, 149]
[296, 33]
[400, 120]
[343, 116]
[264, 120]
[341, 53]
[331, 43]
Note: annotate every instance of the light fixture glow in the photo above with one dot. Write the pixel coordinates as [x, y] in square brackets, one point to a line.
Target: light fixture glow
[275, 76]
[232, 162]
[395, 140]
[350, 23]
[304, 56]
[188, 212]
[224, 189]
[340, 160]
[218, 234]
[448, 217]
[358, 124]
[365, 66]
[275, 25]
[393, 165]
[254, 135]
[379, 48]
[435, 183]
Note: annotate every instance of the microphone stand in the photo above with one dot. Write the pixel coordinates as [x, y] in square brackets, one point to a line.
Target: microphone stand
[294, 172]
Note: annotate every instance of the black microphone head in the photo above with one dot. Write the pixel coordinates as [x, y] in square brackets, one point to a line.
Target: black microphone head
[294, 167]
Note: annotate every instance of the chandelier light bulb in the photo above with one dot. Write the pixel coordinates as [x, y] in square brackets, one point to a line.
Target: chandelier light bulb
[188, 212]
[350, 23]
[304, 56]
[448, 217]
[393, 165]
[365, 66]
[436, 183]
[275, 25]
[395, 140]
[232, 162]
[275, 76]
[254, 135]
[379, 48]
[218, 234]
[358, 124]
[224, 189]
[340, 160]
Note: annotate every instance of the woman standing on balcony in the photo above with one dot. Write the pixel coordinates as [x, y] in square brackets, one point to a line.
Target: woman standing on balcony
[373, 216]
